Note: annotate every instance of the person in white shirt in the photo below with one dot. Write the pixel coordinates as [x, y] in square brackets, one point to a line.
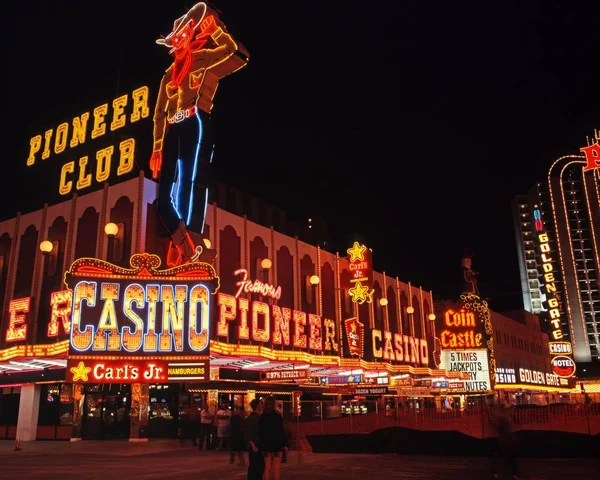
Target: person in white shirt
[206, 421]
[224, 424]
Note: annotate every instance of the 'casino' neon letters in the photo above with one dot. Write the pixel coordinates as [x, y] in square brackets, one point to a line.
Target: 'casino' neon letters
[138, 326]
[400, 348]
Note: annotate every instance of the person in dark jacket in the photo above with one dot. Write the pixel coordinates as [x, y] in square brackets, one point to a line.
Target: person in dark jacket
[256, 462]
[272, 438]
[238, 445]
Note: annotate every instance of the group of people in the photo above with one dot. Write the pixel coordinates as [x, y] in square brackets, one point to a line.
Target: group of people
[262, 434]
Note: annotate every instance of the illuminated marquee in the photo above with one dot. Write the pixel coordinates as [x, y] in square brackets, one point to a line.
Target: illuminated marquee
[266, 324]
[121, 314]
[468, 330]
[400, 348]
[524, 376]
[79, 174]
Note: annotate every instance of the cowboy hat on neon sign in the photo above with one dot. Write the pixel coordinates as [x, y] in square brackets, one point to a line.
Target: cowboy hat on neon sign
[184, 29]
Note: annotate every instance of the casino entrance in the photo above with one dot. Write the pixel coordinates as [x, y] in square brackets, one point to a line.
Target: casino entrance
[106, 410]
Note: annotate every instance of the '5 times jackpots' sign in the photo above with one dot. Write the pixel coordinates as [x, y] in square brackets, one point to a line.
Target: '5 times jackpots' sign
[474, 363]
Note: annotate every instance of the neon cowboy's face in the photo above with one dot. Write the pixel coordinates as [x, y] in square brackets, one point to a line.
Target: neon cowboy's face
[182, 39]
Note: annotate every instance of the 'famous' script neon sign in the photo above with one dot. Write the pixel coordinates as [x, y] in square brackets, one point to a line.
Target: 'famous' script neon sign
[256, 286]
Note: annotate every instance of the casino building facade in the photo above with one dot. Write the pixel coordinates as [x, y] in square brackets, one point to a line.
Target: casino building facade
[282, 305]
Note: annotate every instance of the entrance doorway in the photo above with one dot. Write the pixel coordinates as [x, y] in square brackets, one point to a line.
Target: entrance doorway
[106, 412]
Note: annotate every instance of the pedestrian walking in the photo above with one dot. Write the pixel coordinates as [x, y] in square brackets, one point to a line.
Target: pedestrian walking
[504, 457]
[272, 438]
[256, 461]
[238, 446]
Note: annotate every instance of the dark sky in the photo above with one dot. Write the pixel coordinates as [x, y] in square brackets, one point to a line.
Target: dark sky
[413, 123]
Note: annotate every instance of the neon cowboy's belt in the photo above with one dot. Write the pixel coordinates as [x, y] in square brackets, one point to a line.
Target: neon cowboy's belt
[181, 115]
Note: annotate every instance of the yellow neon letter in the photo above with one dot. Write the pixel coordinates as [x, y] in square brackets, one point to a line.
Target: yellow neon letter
[119, 118]
[132, 341]
[140, 104]
[85, 179]
[127, 148]
[198, 340]
[150, 340]
[172, 319]
[61, 310]
[34, 146]
[108, 325]
[47, 137]
[82, 339]
[60, 141]
[227, 305]
[79, 127]
[103, 160]
[65, 186]
[17, 326]
[99, 125]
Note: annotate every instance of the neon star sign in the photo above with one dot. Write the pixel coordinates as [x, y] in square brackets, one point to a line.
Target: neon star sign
[357, 252]
[360, 294]
[361, 274]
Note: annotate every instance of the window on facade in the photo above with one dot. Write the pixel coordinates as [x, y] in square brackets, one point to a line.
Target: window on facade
[498, 337]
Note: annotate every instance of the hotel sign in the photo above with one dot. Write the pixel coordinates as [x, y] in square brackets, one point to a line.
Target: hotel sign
[140, 324]
[561, 350]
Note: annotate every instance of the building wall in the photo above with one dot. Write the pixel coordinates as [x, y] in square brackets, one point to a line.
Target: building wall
[519, 342]
[77, 226]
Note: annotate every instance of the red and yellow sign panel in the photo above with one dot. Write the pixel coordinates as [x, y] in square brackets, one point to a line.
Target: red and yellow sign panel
[355, 333]
[139, 324]
[360, 266]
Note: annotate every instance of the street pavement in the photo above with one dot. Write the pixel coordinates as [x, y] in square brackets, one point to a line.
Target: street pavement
[166, 459]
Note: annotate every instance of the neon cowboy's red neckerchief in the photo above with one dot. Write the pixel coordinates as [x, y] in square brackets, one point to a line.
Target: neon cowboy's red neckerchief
[183, 60]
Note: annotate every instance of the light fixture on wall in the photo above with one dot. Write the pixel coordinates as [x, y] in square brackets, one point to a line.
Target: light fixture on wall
[410, 310]
[432, 316]
[46, 247]
[314, 280]
[266, 264]
[383, 302]
[111, 229]
[207, 243]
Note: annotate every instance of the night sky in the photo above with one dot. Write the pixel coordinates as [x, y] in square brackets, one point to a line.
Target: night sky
[411, 123]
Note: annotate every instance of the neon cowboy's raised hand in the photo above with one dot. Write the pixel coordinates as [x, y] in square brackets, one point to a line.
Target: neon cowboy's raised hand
[208, 25]
[156, 163]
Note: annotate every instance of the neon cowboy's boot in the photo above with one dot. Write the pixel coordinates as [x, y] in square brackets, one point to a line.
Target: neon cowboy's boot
[173, 256]
[183, 243]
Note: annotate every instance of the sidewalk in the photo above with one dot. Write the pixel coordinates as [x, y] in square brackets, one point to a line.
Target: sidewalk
[166, 459]
[122, 448]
